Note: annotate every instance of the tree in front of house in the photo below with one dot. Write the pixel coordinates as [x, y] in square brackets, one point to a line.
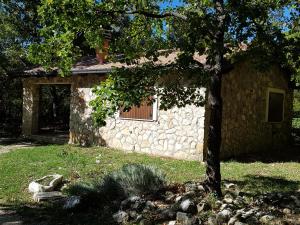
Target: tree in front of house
[18, 25]
[215, 28]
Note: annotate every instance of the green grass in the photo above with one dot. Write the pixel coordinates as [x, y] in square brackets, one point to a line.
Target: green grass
[19, 167]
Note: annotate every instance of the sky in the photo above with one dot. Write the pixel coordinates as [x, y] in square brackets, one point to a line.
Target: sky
[174, 3]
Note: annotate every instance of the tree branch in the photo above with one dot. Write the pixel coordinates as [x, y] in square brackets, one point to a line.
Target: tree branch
[145, 13]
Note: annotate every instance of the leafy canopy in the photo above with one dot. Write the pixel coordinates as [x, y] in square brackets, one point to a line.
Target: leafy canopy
[269, 28]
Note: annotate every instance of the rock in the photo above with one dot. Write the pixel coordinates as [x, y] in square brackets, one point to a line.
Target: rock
[203, 206]
[138, 205]
[187, 206]
[230, 186]
[251, 220]
[170, 197]
[239, 223]
[178, 198]
[232, 220]
[134, 198]
[168, 214]
[180, 216]
[287, 211]
[212, 220]
[121, 217]
[223, 216]
[218, 204]
[131, 202]
[71, 202]
[224, 206]
[228, 199]
[190, 186]
[296, 200]
[47, 196]
[173, 222]
[35, 186]
[184, 219]
[249, 213]
[266, 219]
[239, 202]
[200, 188]
[150, 205]
[133, 214]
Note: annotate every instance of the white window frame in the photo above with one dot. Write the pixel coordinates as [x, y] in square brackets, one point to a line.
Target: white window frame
[274, 90]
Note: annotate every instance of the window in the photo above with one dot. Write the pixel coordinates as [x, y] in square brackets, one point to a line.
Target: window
[275, 105]
[144, 112]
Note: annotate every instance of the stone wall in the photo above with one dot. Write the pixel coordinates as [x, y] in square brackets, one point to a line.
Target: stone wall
[244, 126]
[176, 133]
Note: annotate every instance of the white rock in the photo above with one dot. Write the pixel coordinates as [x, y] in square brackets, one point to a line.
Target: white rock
[266, 219]
[173, 222]
[71, 202]
[121, 217]
[239, 223]
[47, 196]
[35, 187]
[177, 199]
[232, 220]
[185, 205]
[224, 216]
[212, 220]
[230, 186]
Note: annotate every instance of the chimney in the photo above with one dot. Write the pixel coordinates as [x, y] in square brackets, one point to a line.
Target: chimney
[102, 53]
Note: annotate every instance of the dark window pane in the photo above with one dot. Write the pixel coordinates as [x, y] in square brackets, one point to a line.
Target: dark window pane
[275, 113]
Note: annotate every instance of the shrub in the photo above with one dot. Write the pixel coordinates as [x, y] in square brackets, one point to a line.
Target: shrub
[136, 179]
[131, 179]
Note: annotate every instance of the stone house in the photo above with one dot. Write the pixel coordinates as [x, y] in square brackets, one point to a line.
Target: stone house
[257, 114]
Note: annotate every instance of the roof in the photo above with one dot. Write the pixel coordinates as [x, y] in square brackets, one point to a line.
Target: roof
[90, 65]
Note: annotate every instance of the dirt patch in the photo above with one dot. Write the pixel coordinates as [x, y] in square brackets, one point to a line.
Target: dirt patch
[10, 144]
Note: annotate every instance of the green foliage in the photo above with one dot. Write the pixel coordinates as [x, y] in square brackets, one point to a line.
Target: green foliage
[142, 29]
[18, 25]
[296, 119]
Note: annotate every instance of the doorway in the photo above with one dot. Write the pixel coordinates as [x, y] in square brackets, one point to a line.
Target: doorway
[54, 109]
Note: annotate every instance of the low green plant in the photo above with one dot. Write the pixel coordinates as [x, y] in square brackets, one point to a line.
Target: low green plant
[131, 179]
[137, 179]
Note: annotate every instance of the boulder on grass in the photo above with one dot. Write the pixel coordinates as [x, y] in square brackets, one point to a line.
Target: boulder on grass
[48, 196]
[37, 186]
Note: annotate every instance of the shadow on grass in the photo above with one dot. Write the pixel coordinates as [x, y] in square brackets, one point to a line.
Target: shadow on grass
[290, 154]
[53, 213]
[255, 185]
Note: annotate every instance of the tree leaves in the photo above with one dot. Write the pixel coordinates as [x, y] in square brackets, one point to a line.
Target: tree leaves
[141, 29]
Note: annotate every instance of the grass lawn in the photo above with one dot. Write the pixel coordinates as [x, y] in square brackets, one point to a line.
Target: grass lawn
[19, 167]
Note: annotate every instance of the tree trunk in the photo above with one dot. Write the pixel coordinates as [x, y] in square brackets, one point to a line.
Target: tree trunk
[213, 174]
